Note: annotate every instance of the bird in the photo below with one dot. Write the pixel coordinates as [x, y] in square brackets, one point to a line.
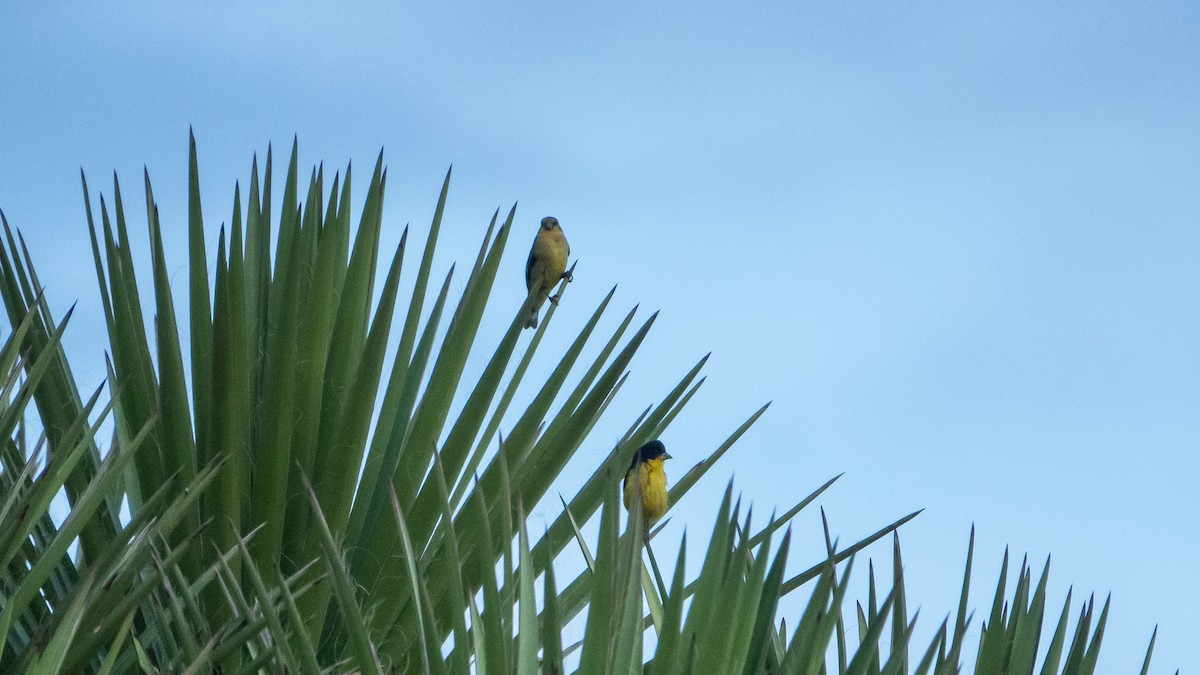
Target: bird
[647, 479]
[547, 264]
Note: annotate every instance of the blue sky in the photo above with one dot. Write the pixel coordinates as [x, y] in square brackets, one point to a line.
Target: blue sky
[957, 244]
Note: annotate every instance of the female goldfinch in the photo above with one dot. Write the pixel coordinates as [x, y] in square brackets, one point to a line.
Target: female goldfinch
[646, 478]
[547, 264]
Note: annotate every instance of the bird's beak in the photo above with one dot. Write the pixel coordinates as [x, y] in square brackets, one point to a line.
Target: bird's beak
[666, 456]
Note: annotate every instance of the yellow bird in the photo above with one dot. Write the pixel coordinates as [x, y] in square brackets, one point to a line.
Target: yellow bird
[647, 478]
[547, 264]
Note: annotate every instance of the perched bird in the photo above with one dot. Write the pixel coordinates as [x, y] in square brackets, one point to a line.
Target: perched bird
[547, 264]
[646, 477]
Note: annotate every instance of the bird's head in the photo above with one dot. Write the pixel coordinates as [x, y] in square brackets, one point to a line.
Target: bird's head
[549, 223]
[654, 450]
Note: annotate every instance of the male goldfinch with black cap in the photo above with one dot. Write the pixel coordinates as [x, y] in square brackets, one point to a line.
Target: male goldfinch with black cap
[647, 479]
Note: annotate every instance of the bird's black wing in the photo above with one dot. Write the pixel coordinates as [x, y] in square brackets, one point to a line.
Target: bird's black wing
[529, 270]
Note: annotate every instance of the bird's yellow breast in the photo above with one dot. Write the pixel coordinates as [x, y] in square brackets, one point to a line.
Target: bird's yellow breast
[652, 481]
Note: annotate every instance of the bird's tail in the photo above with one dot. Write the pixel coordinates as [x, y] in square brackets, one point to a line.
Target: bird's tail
[531, 322]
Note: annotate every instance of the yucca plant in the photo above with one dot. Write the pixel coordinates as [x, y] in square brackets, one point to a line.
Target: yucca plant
[296, 506]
